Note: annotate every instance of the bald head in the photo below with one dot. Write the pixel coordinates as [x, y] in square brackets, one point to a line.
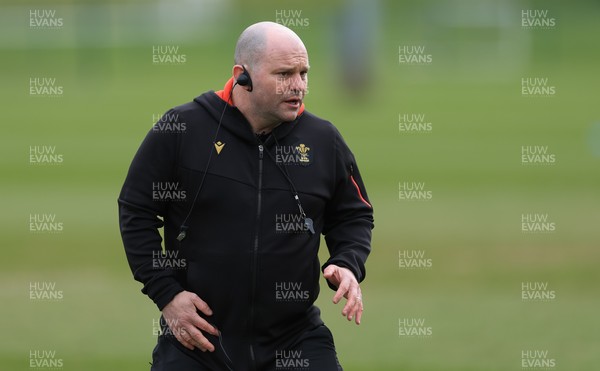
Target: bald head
[276, 59]
[252, 45]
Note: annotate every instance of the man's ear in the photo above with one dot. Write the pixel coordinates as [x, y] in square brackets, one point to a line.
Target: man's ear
[236, 71]
[242, 77]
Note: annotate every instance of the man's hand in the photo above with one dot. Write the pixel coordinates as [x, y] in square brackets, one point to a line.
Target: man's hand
[185, 323]
[349, 288]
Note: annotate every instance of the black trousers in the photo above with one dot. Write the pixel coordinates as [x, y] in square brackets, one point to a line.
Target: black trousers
[315, 350]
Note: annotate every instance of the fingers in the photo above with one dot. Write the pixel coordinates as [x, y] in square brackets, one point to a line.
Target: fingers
[358, 308]
[198, 340]
[184, 338]
[341, 292]
[353, 304]
[198, 321]
[359, 311]
[334, 275]
[328, 272]
[349, 288]
[191, 337]
[186, 324]
[201, 305]
[202, 324]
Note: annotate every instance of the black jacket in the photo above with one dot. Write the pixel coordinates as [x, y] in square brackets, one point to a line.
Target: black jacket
[247, 251]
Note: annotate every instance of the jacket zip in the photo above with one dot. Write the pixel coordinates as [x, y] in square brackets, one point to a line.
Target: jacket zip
[255, 252]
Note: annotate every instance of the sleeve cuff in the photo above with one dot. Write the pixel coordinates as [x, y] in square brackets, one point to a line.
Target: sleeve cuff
[162, 291]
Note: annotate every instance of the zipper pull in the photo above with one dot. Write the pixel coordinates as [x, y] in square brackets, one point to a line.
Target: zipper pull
[260, 151]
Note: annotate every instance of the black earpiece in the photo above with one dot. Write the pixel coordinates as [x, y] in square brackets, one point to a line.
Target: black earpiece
[244, 79]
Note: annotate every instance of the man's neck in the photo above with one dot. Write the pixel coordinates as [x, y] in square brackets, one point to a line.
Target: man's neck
[258, 126]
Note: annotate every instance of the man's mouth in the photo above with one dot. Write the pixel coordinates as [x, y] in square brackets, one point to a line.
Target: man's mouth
[293, 102]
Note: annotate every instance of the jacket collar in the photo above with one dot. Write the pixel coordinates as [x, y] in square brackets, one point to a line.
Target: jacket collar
[233, 119]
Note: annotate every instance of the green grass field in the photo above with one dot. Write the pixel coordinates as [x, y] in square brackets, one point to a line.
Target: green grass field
[470, 161]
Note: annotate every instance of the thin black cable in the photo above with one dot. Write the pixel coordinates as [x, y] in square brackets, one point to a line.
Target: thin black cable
[224, 352]
[308, 221]
[282, 169]
[183, 229]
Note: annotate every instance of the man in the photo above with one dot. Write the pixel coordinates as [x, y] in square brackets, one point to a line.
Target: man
[244, 187]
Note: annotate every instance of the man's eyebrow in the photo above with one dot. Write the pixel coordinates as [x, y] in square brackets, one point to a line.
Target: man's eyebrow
[292, 67]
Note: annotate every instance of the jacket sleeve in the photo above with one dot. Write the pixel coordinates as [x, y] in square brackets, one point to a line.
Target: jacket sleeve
[140, 215]
[348, 216]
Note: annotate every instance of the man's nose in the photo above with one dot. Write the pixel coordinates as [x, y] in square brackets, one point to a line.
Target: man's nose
[297, 84]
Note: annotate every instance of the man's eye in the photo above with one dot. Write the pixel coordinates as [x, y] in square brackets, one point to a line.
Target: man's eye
[284, 74]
